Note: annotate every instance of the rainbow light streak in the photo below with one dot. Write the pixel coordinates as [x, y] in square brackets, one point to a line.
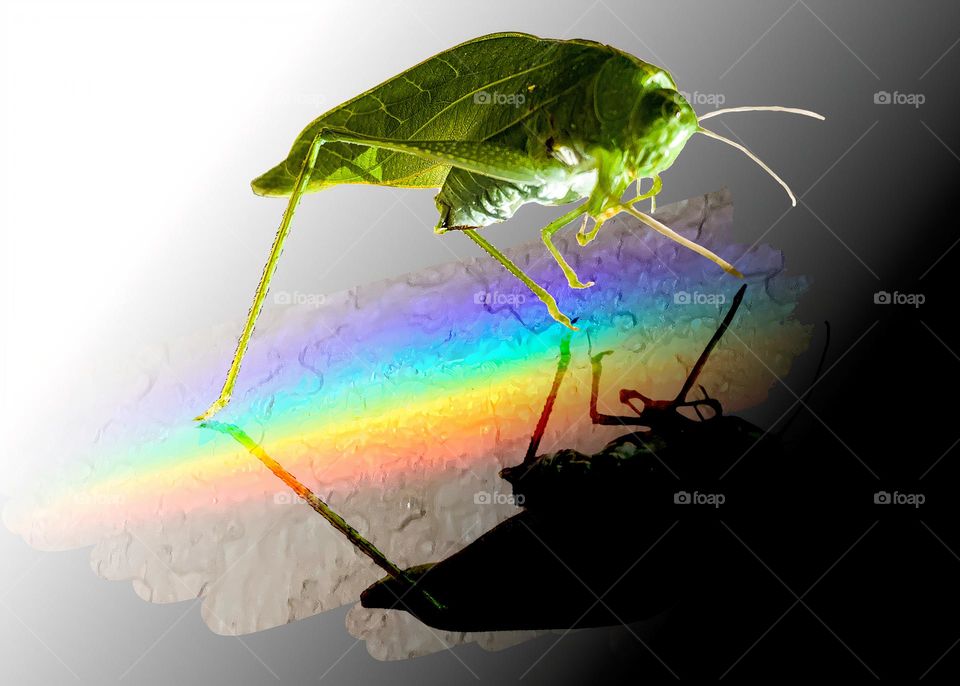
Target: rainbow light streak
[444, 369]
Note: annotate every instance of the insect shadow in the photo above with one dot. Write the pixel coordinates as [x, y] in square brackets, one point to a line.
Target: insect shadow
[603, 539]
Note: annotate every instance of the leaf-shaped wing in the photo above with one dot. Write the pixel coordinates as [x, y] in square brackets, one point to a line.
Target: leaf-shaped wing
[470, 92]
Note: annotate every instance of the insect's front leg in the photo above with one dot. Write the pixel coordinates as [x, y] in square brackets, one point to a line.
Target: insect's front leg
[651, 194]
[605, 197]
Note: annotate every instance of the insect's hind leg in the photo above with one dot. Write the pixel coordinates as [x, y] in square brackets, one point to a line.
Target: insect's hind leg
[537, 289]
[303, 179]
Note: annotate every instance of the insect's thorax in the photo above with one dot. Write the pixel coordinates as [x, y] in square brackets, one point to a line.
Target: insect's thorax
[626, 123]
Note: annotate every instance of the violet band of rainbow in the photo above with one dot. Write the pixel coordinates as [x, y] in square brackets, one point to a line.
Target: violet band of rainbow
[442, 369]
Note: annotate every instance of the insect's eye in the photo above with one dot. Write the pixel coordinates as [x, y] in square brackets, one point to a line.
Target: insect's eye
[671, 110]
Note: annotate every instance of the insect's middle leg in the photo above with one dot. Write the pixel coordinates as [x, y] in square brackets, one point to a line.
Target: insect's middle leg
[584, 236]
[536, 288]
[547, 234]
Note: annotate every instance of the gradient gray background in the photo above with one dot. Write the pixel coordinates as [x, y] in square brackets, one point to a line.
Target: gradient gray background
[880, 180]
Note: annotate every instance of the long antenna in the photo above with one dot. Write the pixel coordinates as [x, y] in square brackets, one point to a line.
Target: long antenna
[753, 157]
[763, 108]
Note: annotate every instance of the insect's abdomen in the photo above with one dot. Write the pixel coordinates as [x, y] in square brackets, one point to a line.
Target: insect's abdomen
[469, 200]
[472, 200]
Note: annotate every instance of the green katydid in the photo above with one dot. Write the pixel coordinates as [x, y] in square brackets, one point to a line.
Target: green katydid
[494, 123]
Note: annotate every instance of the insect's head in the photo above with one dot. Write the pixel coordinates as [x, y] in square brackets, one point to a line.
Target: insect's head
[661, 123]
[661, 120]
